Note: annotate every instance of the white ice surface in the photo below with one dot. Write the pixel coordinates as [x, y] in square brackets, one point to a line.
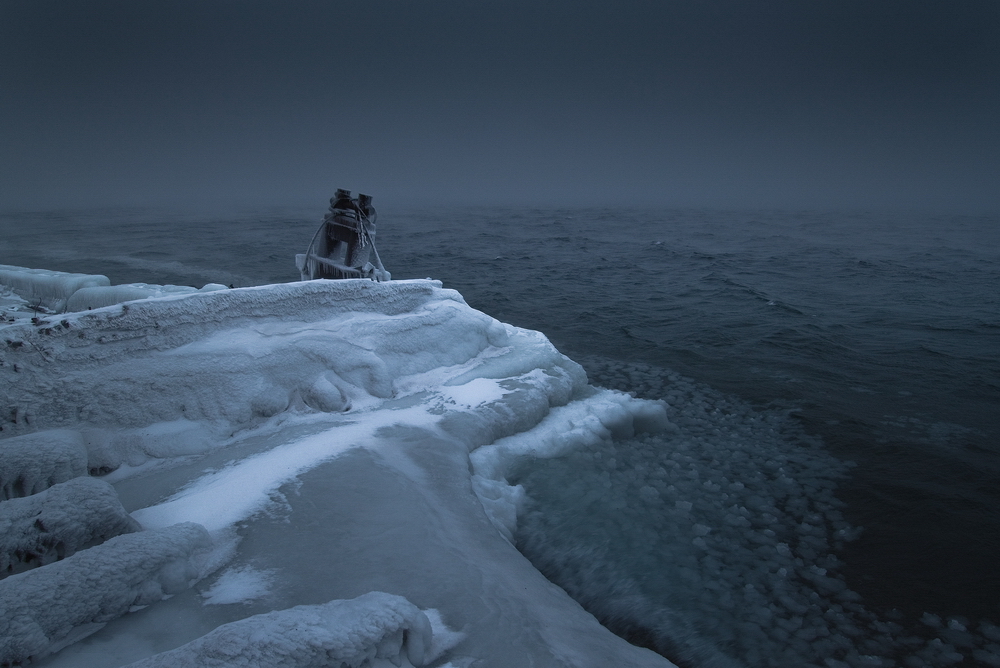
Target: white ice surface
[223, 498]
[239, 585]
[60, 291]
[327, 426]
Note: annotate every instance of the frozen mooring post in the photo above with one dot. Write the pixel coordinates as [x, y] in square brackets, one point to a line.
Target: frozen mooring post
[344, 244]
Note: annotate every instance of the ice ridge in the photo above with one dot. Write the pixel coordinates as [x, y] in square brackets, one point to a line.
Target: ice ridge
[34, 462]
[59, 521]
[42, 609]
[371, 630]
[50, 289]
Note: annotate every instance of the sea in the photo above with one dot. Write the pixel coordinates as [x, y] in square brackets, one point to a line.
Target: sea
[829, 494]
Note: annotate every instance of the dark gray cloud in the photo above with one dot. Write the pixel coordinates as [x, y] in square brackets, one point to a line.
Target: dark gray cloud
[730, 103]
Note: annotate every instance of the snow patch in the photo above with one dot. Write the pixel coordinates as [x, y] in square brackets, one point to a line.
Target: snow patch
[239, 585]
[474, 393]
[235, 493]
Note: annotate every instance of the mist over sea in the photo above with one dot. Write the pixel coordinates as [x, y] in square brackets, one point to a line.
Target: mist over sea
[837, 375]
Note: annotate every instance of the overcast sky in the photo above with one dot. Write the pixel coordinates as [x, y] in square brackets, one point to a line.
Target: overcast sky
[796, 103]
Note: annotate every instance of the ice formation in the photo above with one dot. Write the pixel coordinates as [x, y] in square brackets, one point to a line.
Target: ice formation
[97, 296]
[34, 462]
[578, 425]
[321, 431]
[55, 523]
[49, 289]
[371, 630]
[59, 291]
[339, 438]
[43, 608]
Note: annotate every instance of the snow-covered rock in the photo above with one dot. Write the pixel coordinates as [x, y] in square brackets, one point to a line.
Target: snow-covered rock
[371, 630]
[43, 608]
[34, 462]
[63, 519]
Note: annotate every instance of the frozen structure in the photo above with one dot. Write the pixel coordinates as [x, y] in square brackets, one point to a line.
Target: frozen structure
[42, 609]
[370, 630]
[59, 291]
[344, 244]
[34, 462]
[48, 289]
[57, 522]
[98, 296]
[298, 444]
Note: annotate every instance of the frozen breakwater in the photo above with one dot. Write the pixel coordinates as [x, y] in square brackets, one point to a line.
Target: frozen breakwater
[311, 443]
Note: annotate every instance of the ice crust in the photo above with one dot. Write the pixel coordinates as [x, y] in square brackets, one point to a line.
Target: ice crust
[50, 289]
[237, 355]
[375, 629]
[324, 429]
[34, 462]
[42, 608]
[605, 415]
[57, 522]
[59, 291]
[99, 296]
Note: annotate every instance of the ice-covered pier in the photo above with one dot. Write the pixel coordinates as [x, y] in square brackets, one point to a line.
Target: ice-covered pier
[281, 451]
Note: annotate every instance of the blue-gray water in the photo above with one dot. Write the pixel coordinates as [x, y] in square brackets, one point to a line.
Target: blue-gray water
[787, 344]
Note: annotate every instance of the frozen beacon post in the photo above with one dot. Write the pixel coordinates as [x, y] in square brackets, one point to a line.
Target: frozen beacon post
[344, 244]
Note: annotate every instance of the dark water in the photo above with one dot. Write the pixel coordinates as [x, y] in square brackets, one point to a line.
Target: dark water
[785, 343]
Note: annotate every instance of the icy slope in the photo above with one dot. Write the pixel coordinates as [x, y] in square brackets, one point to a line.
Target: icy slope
[321, 432]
